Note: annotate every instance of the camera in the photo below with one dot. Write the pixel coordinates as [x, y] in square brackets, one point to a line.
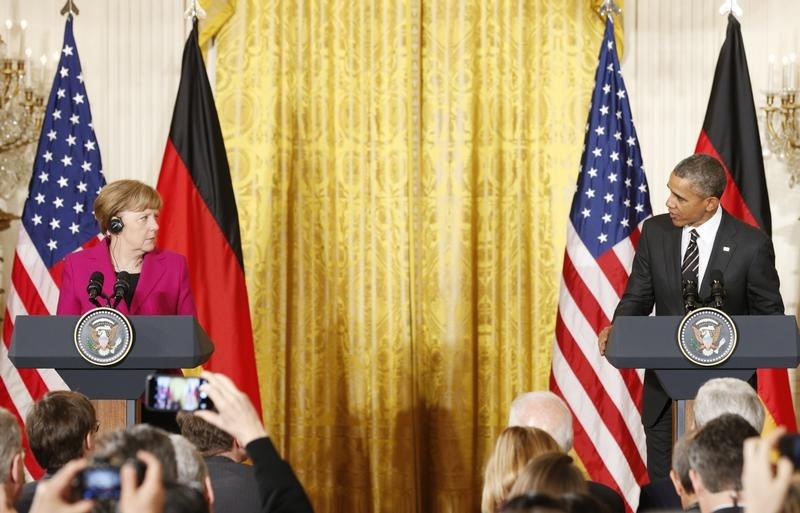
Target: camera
[166, 392]
[97, 482]
[789, 446]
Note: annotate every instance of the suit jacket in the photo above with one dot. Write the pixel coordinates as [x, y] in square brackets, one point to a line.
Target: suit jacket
[744, 255]
[235, 486]
[658, 495]
[280, 490]
[163, 287]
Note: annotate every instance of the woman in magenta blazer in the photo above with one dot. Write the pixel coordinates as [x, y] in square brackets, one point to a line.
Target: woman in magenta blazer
[127, 211]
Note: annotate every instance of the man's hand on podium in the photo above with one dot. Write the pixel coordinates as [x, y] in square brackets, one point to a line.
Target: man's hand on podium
[602, 339]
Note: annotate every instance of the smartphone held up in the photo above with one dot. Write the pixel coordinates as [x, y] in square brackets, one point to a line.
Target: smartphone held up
[166, 392]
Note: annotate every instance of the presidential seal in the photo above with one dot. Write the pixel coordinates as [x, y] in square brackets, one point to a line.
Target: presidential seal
[103, 336]
[707, 336]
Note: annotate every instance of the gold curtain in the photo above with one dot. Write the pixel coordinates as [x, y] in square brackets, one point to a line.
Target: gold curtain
[403, 171]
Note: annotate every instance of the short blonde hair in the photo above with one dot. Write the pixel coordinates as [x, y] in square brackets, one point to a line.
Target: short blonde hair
[515, 446]
[122, 195]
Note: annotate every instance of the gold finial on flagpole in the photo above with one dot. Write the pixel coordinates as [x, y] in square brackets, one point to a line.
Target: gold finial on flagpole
[195, 11]
[609, 8]
[70, 7]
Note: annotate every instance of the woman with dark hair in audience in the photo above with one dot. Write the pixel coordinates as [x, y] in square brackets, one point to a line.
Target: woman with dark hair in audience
[552, 474]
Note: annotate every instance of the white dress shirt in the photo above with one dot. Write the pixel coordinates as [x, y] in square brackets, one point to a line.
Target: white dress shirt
[706, 233]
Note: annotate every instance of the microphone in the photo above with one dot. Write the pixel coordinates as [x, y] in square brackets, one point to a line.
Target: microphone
[718, 293]
[689, 291]
[95, 287]
[121, 287]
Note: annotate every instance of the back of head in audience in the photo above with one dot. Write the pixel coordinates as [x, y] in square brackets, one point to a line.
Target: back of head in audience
[552, 474]
[543, 503]
[514, 448]
[60, 427]
[546, 411]
[12, 471]
[533, 503]
[209, 439]
[117, 447]
[680, 470]
[192, 469]
[716, 455]
[728, 395]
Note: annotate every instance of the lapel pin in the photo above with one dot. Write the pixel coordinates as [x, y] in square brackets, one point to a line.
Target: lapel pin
[726, 248]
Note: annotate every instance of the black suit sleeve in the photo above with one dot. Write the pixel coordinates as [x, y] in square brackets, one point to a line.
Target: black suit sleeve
[279, 488]
[639, 296]
[763, 284]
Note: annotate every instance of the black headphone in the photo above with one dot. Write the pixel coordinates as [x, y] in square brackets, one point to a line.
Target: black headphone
[115, 225]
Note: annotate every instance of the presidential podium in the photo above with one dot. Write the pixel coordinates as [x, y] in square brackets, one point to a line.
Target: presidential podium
[764, 342]
[160, 342]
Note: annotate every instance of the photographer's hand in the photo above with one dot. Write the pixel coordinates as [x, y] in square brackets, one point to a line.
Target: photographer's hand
[55, 494]
[765, 490]
[147, 498]
[236, 416]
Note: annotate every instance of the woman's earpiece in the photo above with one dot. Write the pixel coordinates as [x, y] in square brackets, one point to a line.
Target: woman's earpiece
[115, 225]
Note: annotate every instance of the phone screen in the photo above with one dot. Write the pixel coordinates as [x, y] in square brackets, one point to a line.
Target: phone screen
[99, 483]
[173, 393]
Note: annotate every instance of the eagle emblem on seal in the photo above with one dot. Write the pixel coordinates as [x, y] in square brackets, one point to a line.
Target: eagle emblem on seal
[707, 337]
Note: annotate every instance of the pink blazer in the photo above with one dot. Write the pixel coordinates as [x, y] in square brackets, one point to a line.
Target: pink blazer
[163, 287]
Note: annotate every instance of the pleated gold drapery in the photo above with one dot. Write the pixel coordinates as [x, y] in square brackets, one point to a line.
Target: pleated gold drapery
[403, 171]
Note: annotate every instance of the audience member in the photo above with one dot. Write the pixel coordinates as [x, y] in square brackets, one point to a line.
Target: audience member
[192, 470]
[514, 448]
[546, 411]
[728, 395]
[12, 465]
[60, 428]
[673, 493]
[55, 494]
[716, 459]
[281, 492]
[553, 474]
[533, 503]
[716, 397]
[121, 445]
[234, 483]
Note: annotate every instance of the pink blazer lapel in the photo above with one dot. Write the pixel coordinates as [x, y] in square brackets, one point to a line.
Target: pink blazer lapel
[152, 270]
[99, 259]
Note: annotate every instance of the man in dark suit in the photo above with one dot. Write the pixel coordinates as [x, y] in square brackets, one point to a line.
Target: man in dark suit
[716, 457]
[693, 239]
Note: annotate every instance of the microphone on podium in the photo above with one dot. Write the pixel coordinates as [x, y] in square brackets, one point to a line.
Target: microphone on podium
[121, 287]
[95, 287]
[690, 295]
[718, 293]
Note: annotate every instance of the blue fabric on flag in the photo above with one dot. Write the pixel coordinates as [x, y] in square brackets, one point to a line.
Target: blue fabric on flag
[67, 170]
[612, 196]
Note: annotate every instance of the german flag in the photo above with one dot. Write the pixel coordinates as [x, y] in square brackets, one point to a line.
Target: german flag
[730, 133]
[200, 220]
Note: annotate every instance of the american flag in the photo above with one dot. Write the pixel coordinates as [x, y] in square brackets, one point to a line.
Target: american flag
[57, 220]
[610, 203]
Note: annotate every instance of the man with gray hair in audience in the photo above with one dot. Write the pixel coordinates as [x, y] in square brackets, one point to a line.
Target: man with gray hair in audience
[12, 466]
[192, 469]
[548, 412]
[716, 397]
[728, 395]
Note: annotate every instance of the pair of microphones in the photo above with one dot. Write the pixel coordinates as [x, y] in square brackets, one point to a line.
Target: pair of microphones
[95, 289]
[691, 296]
